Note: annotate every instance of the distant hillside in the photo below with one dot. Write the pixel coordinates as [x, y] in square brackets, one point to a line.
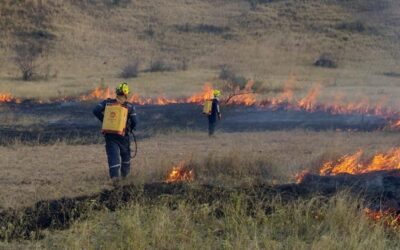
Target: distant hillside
[91, 39]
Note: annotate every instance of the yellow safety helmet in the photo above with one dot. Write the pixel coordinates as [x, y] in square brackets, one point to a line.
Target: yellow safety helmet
[216, 93]
[122, 89]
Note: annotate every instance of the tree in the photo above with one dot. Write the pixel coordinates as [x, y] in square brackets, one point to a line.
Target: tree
[26, 56]
[237, 86]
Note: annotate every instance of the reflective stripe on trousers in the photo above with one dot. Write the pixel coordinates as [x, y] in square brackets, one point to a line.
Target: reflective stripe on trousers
[118, 155]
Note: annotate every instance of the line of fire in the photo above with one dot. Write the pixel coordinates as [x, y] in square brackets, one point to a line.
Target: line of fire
[353, 171]
[286, 101]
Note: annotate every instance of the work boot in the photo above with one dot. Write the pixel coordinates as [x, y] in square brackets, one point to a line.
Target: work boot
[116, 182]
[125, 172]
[115, 171]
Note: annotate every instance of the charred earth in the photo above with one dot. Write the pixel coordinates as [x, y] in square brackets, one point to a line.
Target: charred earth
[74, 122]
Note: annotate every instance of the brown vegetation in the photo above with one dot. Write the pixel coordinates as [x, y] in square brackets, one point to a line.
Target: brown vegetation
[26, 26]
[274, 43]
[34, 173]
[266, 43]
[38, 173]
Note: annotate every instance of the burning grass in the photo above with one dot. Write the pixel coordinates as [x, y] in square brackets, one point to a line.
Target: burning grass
[286, 100]
[388, 218]
[104, 93]
[179, 173]
[275, 213]
[354, 163]
[218, 213]
[8, 98]
[34, 173]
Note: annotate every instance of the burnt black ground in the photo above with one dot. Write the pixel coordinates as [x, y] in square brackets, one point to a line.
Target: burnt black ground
[378, 190]
[73, 121]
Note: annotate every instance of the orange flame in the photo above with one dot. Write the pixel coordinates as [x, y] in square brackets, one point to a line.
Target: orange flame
[97, 94]
[395, 124]
[300, 176]
[288, 101]
[244, 97]
[353, 164]
[206, 94]
[180, 173]
[308, 103]
[284, 101]
[105, 92]
[387, 217]
[7, 98]
[286, 96]
[197, 98]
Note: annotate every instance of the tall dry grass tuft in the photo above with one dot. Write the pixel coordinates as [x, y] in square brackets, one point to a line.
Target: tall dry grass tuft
[235, 168]
[317, 223]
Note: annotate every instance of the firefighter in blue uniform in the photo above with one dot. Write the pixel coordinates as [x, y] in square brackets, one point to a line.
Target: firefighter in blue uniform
[215, 113]
[118, 146]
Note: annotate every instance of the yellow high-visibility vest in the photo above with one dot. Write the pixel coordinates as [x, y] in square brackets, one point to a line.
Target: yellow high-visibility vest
[115, 117]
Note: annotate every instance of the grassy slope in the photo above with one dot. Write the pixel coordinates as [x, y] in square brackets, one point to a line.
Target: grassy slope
[269, 42]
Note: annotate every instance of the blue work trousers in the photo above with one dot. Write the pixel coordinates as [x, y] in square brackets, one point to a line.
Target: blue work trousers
[211, 127]
[118, 155]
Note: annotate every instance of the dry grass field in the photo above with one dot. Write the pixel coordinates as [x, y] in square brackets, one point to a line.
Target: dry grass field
[35, 173]
[302, 225]
[94, 40]
[32, 173]
[179, 45]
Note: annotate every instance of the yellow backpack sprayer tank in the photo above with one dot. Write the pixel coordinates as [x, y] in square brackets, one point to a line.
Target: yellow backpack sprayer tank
[115, 117]
[207, 106]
